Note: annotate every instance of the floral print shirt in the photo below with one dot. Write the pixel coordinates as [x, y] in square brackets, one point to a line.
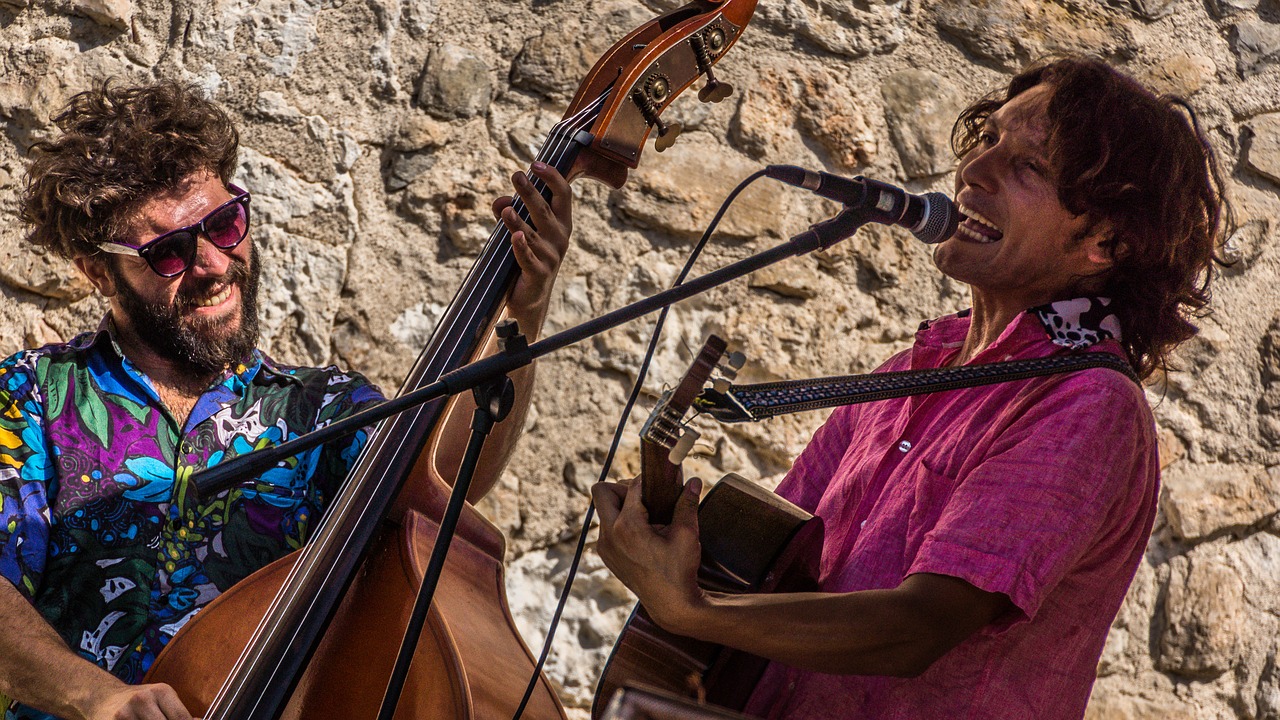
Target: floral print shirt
[100, 526]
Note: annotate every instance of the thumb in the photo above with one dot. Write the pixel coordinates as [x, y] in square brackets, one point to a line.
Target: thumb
[685, 514]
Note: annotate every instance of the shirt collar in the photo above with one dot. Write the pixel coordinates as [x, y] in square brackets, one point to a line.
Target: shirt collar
[1079, 323]
[1075, 324]
[241, 373]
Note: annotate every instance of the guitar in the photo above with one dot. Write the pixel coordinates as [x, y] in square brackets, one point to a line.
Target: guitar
[752, 541]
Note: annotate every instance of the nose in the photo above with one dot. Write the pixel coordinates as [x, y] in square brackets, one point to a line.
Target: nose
[210, 260]
[977, 169]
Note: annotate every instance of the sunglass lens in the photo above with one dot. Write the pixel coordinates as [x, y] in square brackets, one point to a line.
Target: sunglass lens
[228, 227]
[173, 254]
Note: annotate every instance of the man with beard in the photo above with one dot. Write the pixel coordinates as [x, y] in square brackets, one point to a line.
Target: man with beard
[105, 547]
[980, 541]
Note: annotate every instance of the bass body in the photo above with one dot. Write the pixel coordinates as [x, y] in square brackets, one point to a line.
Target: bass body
[465, 665]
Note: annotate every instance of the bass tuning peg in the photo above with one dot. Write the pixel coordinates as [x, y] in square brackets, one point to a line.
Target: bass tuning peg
[667, 134]
[703, 48]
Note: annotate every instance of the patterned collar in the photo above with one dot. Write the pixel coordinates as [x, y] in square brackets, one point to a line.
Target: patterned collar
[1073, 324]
[244, 371]
[1079, 323]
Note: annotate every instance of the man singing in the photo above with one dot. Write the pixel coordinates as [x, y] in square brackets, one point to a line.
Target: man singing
[105, 548]
[980, 541]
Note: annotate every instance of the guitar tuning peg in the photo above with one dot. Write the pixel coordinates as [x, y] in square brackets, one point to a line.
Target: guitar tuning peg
[667, 134]
[681, 449]
[721, 385]
[737, 360]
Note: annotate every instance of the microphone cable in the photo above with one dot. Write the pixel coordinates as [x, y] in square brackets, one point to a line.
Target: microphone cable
[617, 438]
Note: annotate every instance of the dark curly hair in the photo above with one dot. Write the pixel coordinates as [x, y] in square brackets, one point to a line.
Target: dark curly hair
[118, 147]
[1140, 163]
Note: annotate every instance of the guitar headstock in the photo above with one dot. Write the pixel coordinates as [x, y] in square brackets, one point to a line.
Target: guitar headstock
[664, 443]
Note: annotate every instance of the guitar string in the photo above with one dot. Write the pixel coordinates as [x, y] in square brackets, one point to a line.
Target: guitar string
[309, 557]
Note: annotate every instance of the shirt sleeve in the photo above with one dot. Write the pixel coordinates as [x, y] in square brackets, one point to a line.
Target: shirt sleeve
[1074, 464]
[25, 477]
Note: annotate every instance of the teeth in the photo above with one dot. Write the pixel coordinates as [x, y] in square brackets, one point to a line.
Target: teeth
[213, 300]
[974, 236]
[978, 218]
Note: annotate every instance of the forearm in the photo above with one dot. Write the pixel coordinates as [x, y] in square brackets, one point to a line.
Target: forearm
[898, 632]
[36, 666]
[864, 633]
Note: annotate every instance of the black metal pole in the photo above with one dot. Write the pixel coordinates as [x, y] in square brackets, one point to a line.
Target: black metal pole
[220, 477]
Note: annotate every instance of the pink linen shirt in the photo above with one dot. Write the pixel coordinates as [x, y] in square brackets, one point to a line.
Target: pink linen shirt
[1043, 490]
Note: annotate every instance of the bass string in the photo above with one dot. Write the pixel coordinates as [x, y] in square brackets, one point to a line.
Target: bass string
[496, 253]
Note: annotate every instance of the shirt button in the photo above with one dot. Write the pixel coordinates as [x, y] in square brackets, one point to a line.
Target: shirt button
[904, 446]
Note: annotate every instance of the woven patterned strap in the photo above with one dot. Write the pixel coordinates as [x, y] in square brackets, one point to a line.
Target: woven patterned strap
[743, 403]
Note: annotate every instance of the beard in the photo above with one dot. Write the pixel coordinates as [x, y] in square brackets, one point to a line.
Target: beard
[201, 344]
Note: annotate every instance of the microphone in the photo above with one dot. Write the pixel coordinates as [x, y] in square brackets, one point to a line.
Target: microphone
[931, 217]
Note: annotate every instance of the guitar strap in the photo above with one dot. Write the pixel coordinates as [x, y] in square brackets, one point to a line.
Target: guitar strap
[743, 403]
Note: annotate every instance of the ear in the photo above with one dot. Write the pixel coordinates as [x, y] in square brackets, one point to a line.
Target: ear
[94, 268]
[1102, 248]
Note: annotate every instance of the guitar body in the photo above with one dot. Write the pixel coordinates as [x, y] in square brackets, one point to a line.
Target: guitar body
[752, 541]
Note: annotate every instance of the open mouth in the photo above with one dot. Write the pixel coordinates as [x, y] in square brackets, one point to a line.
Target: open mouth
[977, 228]
[213, 300]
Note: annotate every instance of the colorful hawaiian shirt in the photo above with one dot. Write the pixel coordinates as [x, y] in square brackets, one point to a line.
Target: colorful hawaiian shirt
[100, 526]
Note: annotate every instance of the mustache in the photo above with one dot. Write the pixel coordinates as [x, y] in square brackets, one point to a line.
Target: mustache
[237, 274]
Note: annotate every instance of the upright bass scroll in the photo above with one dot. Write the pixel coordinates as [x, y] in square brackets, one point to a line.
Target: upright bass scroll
[314, 634]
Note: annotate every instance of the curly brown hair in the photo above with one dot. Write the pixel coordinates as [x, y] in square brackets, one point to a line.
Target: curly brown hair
[1140, 163]
[118, 147]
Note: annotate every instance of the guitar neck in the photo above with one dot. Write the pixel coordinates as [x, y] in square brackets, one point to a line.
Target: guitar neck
[660, 481]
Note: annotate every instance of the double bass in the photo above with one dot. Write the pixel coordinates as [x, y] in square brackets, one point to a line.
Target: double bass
[315, 634]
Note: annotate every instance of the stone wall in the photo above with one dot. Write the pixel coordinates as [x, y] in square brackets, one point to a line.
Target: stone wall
[376, 131]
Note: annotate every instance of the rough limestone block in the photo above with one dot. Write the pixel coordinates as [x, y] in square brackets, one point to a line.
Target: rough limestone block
[921, 107]
[1256, 45]
[1200, 499]
[680, 190]
[841, 27]
[1228, 7]
[835, 119]
[111, 13]
[1182, 74]
[1108, 704]
[1153, 9]
[1264, 151]
[798, 280]
[455, 83]
[1010, 33]
[1204, 611]
[25, 267]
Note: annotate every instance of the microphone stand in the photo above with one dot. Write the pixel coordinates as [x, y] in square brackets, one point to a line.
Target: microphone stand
[494, 397]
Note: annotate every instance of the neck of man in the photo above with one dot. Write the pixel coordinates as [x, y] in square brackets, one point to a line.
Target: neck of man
[989, 318]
